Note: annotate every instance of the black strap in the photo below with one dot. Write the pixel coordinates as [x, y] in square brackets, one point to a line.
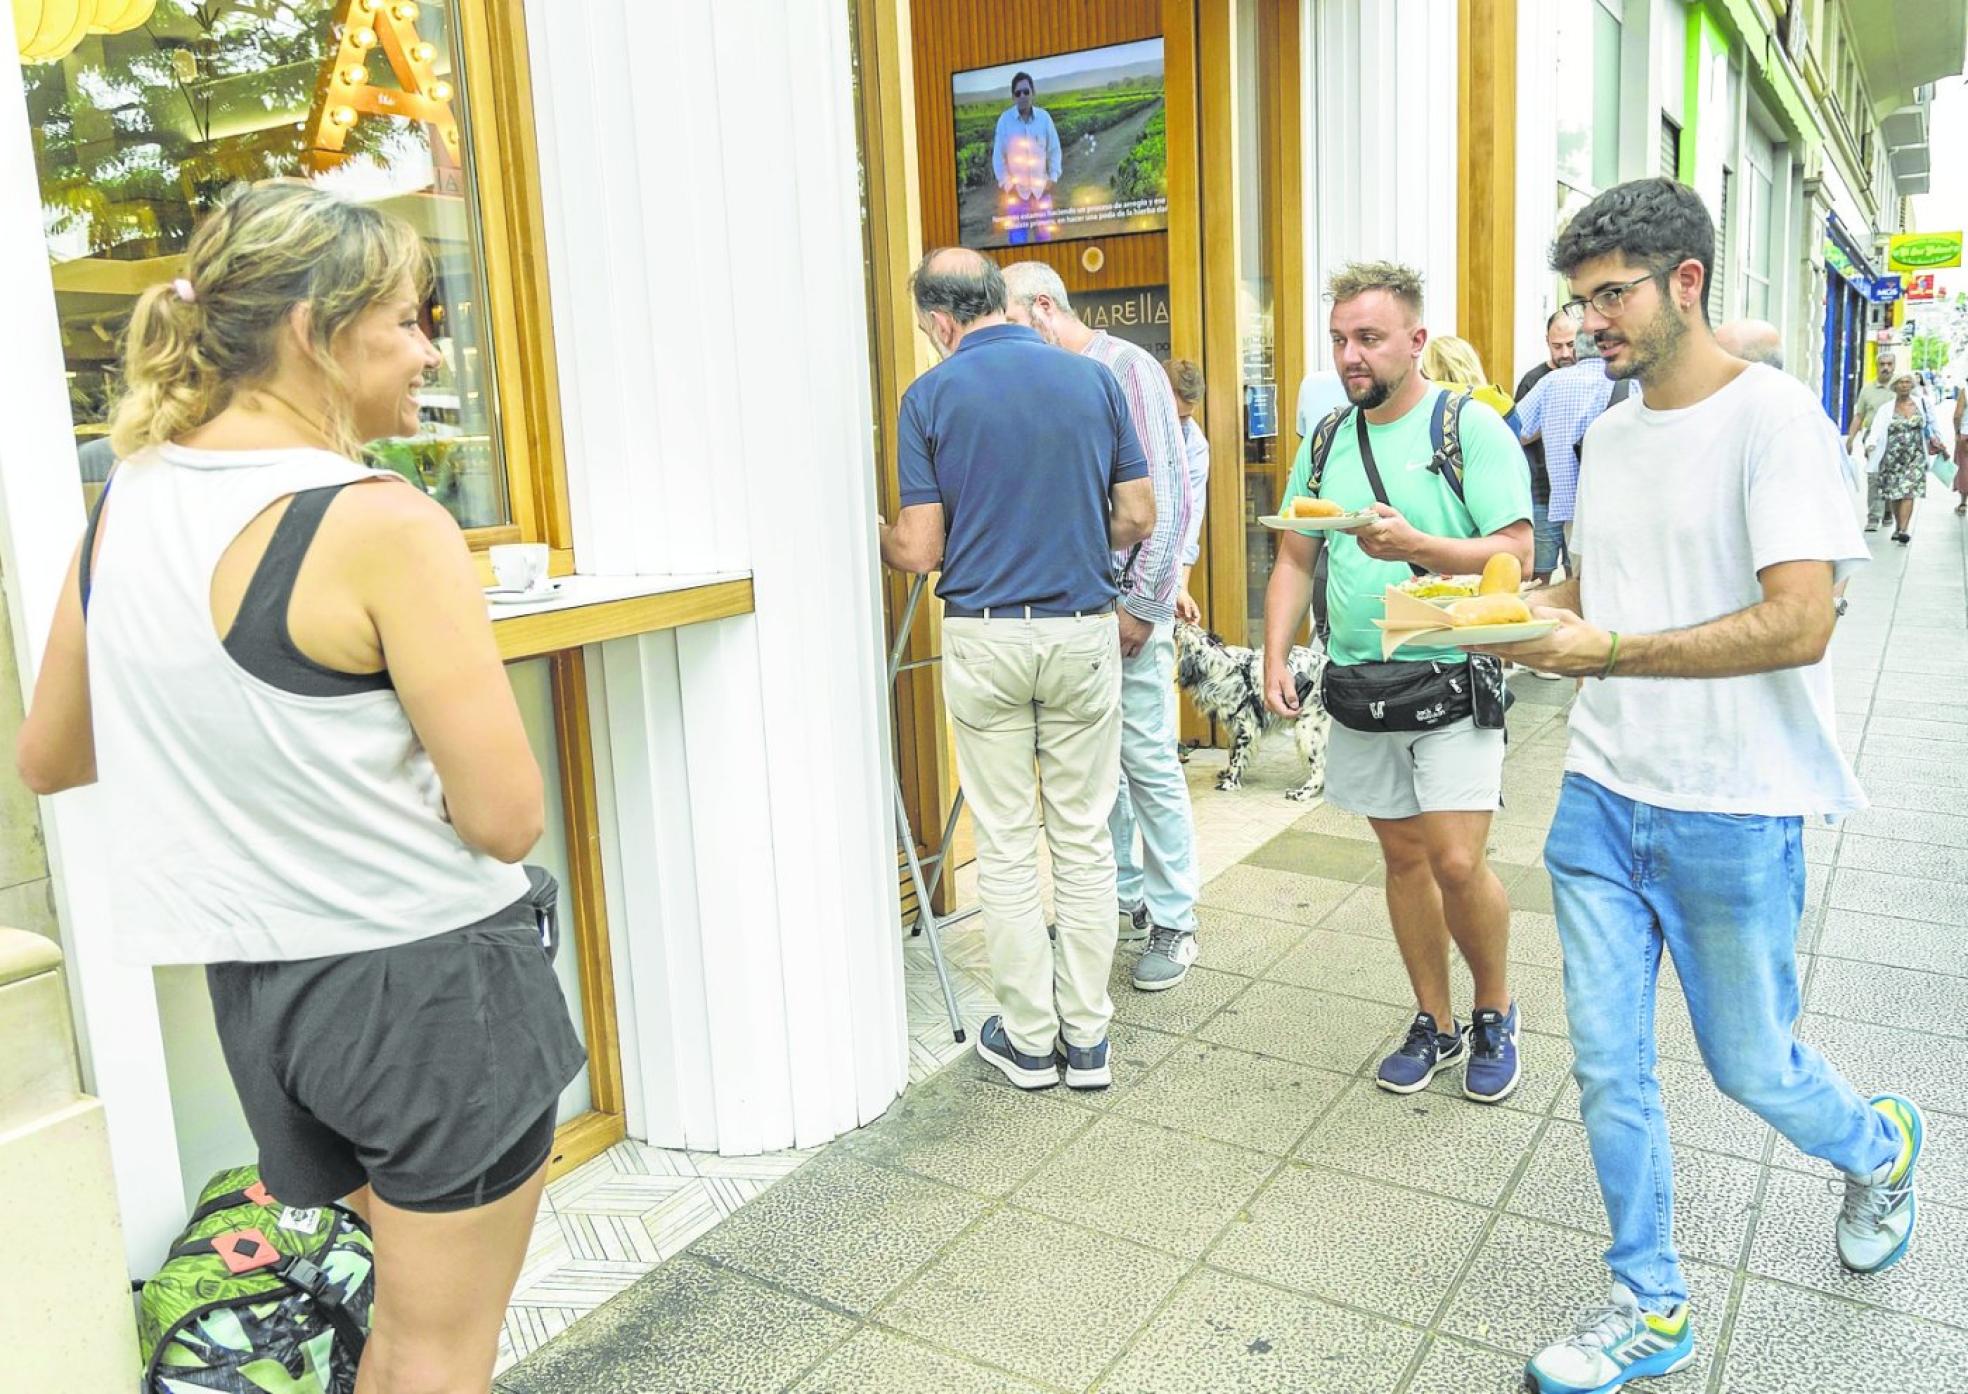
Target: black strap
[1373, 476]
[308, 1278]
[88, 558]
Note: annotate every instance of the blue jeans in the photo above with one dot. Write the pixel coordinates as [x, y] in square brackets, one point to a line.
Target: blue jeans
[1154, 796]
[1724, 894]
[1548, 541]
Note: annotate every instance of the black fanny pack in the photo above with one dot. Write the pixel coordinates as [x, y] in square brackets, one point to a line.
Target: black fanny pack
[1397, 696]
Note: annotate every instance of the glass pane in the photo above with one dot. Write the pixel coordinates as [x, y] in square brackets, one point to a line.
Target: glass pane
[1574, 95]
[1605, 98]
[138, 133]
[533, 687]
[1256, 342]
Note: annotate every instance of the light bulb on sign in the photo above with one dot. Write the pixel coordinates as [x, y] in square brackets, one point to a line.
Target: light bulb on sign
[423, 53]
[407, 12]
[343, 116]
[365, 37]
[440, 91]
[354, 75]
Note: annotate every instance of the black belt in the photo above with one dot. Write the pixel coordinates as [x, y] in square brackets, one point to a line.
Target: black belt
[1023, 612]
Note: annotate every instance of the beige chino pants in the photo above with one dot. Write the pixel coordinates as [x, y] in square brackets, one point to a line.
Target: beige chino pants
[1035, 706]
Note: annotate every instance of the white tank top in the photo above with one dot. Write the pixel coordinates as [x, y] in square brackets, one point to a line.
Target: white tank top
[247, 822]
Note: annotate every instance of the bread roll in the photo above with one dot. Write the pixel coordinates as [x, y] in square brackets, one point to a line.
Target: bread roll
[1489, 609]
[1502, 575]
[1315, 508]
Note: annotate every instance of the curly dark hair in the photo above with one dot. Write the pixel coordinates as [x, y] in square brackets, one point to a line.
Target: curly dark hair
[1658, 223]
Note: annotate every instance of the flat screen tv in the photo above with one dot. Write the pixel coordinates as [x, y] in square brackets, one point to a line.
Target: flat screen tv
[1069, 146]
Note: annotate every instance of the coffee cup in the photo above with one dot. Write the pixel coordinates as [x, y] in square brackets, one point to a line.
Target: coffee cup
[520, 566]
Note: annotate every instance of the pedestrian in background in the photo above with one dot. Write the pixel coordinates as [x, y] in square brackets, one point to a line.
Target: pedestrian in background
[1711, 527]
[1417, 744]
[1961, 449]
[1872, 397]
[1560, 351]
[1158, 892]
[276, 664]
[1455, 363]
[1186, 380]
[1899, 439]
[1557, 415]
[1031, 649]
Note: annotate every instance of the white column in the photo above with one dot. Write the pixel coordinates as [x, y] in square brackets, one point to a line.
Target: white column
[40, 521]
[705, 256]
[1537, 182]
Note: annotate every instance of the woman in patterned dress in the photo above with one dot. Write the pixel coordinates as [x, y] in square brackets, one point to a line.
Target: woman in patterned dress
[1901, 437]
[1961, 449]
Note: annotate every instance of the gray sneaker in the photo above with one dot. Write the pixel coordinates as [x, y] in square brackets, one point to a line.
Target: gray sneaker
[1166, 963]
[1134, 924]
[1876, 1221]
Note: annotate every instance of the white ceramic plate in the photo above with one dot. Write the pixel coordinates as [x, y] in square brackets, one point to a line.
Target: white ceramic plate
[501, 595]
[1487, 634]
[1344, 522]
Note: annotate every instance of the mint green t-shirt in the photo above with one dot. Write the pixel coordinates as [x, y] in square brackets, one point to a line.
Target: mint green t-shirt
[1496, 484]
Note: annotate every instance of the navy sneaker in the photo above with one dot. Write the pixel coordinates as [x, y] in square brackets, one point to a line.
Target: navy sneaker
[1494, 1068]
[1423, 1055]
[1024, 1071]
[1086, 1066]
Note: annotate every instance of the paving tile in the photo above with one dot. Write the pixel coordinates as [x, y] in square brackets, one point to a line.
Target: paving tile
[1534, 939]
[1177, 1010]
[1888, 770]
[1933, 732]
[1531, 891]
[1138, 1181]
[1930, 1070]
[841, 1231]
[1791, 1342]
[1363, 912]
[1899, 943]
[1714, 1195]
[1319, 854]
[1245, 944]
[1456, 1367]
[1794, 1244]
[968, 1134]
[969, 1303]
[1277, 895]
[1936, 1002]
[1396, 1253]
[1230, 1336]
[881, 1362]
[1895, 857]
[1916, 798]
[1904, 825]
[1312, 1028]
[1449, 1146]
[1698, 1114]
[685, 1328]
[1351, 965]
[1530, 1281]
[1233, 1096]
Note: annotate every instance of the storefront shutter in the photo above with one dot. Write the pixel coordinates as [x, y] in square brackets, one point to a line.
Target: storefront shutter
[1670, 151]
[1718, 286]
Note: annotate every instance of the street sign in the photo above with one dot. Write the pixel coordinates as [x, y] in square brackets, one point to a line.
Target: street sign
[1923, 251]
[1887, 289]
[1920, 288]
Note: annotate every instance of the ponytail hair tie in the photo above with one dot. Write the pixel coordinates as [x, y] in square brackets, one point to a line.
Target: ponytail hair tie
[185, 290]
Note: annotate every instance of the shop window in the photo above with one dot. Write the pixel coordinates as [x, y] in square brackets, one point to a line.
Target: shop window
[137, 134]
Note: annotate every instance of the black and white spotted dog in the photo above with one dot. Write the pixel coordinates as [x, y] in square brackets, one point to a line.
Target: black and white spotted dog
[1226, 682]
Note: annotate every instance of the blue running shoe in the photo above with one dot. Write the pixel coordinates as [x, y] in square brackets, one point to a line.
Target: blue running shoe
[1875, 1224]
[1025, 1071]
[1493, 1065]
[1086, 1066]
[1611, 1345]
[1423, 1055]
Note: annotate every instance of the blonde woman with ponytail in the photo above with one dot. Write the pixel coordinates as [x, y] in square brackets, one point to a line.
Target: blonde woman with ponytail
[276, 663]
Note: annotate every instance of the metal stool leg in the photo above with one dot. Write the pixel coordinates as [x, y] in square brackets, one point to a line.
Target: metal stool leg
[925, 915]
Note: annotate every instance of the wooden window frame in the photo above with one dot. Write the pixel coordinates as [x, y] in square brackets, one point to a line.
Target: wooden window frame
[504, 169]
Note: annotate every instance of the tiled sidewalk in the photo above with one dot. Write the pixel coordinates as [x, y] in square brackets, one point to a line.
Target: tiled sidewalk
[1245, 1212]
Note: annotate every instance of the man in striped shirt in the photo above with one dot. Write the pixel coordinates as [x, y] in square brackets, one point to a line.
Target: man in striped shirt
[1158, 893]
[1557, 413]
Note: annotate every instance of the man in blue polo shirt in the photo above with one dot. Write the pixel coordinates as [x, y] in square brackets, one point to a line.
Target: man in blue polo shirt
[1020, 475]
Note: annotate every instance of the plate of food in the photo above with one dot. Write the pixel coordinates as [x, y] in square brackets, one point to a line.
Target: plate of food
[1307, 515]
[1496, 614]
[1440, 589]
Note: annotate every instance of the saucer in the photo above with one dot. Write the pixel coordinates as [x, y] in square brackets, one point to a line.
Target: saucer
[508, 595]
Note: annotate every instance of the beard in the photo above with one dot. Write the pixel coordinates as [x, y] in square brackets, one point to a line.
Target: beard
[1372, 394]
[1651, 346]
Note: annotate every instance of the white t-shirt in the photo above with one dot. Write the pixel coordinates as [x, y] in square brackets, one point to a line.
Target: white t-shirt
[1677, 512]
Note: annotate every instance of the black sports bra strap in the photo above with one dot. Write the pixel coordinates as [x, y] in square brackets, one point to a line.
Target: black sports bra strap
[87, 561]
[273, 580]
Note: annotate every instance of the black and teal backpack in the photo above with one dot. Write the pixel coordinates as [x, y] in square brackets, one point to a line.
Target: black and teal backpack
[258, 1298]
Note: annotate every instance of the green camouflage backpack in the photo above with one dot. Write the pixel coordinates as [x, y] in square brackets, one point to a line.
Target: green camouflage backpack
[258, 1298]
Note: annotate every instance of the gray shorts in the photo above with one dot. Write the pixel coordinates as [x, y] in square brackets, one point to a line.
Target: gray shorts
[1398, 774]
[418, 1070]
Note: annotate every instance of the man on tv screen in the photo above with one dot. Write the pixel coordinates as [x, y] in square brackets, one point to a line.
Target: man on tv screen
[1025, 157]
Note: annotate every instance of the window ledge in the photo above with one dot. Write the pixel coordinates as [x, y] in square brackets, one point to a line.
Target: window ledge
[590, 609]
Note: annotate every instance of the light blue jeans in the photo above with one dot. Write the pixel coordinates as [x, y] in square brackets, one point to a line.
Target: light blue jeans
[1724, 894]
[1153, 797]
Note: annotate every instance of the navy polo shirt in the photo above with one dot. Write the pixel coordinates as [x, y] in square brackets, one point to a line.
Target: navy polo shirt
[1020, 442]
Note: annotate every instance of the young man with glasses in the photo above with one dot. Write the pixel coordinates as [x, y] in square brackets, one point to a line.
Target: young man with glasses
[1711, 528]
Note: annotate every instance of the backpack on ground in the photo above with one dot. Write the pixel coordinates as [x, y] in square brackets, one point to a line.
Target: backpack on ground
[258, 1298]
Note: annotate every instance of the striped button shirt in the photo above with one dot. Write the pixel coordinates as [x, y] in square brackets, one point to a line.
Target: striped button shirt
[1148, 586]
[1559, 408]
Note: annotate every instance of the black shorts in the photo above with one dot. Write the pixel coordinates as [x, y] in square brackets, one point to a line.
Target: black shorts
[422, 1071]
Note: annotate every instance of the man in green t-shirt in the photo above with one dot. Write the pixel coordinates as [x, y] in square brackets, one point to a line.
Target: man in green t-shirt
[1428, 794]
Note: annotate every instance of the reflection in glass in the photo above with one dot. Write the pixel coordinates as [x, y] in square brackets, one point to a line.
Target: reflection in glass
[137, 134]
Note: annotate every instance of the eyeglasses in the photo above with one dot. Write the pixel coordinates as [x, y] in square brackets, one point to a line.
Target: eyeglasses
[1609, 301]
